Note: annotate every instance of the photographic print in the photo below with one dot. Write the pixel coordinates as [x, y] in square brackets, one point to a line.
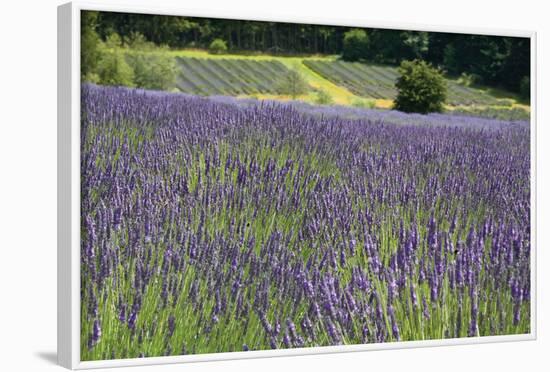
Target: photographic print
[253, 185]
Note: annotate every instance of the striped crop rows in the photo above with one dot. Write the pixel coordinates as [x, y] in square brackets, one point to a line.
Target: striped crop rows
[228, 76]
[378, 82]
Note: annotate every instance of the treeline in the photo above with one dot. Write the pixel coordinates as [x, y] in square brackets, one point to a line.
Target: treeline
[479, 59]
[493, 60]
[134, 62]
[184, 32]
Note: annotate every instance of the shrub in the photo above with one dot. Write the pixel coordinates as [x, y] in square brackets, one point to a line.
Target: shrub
[114, 70]
[420, 88]
[494, 112]
[218, 46]
[356, 43]
[292, 84]
[92, 77]
[153, 70]
[363, 103]
[323, 98]
[469, 79]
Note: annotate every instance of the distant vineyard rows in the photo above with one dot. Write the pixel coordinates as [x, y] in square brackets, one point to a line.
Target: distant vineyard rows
[378, 82]
[228, 76]
[204, 76]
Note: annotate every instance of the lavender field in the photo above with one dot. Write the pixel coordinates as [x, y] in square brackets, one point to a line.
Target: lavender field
[213, 225]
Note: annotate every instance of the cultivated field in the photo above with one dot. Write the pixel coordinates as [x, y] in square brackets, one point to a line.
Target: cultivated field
[214, 226]
[348, 83]
[373, 81]
[228, 76]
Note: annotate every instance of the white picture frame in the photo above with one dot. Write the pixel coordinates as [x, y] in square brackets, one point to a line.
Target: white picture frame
[68, 137]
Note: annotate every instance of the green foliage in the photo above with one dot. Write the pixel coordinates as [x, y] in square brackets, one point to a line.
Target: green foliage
[89, 51]
[113, 41]
[363, 103]
[218, 46]
[468, 79]
[152, 70]
[356, 44]
[133, 63]
[416, 43]
[393, 46]
[450, 59]
[292, 84]
[499, 61]
[493, 112]
[323, 98]
[525, 88]
[420, 88]
[113, 69]
[136, 41]
[92, 77]
[159, 29]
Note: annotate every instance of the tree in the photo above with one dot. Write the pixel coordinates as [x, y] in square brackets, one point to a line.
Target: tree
[416, 43]
[292, 84]
[137, 41]
[451, 59]
[516, 65]
[420, 88]
[386, 46]
[114, 70]
[90, 45]
[356, 45]
[152, 70]
[217, 46]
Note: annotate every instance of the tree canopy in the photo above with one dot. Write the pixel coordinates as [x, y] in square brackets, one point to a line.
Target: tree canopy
[420, 88]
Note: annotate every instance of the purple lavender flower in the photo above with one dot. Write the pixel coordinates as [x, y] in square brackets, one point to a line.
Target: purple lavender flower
[96, 334]
[132, 320]
[171, 325]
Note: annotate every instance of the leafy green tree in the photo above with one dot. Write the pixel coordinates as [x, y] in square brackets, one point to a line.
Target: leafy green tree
[218, 46]
[137, 41]
[90, 43]
[416, 43]
[292, 84]
[517, 64]
[114, 70]
[113, 41]
[356, 45]
[420, 88]
[393, 46]
[451, 60]
[152, 70]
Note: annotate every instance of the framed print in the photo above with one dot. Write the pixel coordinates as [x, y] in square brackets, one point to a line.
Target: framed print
[241, 188]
